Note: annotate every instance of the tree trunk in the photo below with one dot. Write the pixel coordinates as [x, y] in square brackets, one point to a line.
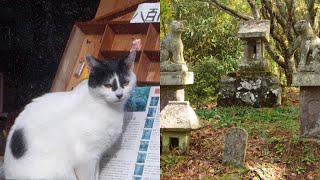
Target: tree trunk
[288, 75]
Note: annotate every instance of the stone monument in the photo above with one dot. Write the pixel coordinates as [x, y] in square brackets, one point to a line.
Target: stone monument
[235, 146]
[177, 117]
[253, 84]
[174, 74]
[308, 78]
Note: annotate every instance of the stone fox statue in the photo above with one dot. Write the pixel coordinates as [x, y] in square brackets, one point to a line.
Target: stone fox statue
[171, 48]
[307, 41]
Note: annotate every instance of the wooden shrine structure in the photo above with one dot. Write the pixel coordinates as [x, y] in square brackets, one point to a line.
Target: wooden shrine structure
[110, 35]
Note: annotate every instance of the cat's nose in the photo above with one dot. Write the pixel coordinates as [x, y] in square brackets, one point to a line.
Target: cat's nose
[119, 96]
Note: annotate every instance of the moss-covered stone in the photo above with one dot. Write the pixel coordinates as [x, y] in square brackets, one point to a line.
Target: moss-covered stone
[306, 79]
[253, 89]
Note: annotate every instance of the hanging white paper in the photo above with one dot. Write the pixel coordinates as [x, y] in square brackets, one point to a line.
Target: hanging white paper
[147, 13]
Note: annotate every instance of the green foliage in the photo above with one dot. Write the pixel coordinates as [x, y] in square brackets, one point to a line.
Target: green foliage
[170, 160]
[166, 16]
[231, 115]
[211, 47]
[207, 78]
[279, 148]
[300, 170]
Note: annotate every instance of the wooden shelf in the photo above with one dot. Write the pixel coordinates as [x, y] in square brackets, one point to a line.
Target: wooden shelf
[153, 38]
[82, 41]
[109, 37]
[119, 37]
[117, 40]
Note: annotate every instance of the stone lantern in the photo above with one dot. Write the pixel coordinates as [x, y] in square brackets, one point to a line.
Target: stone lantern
[253, 34]
[177, 117]
[177, 121]
[253, 84]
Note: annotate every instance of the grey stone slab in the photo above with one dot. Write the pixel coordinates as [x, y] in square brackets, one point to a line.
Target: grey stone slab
[179, 116]
[254, 29]
[235, 146]
[249, 89]
[310, 112]
[173, 67]
[176, 78]
[261, 65]
[306, 79]
[171, 93]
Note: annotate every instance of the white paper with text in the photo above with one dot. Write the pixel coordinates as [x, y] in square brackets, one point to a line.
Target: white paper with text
[137, 155]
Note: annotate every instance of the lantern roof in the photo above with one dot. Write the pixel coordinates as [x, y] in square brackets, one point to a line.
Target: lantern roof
[258, 29]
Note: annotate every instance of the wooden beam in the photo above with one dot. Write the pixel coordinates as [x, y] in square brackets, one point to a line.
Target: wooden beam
[68, 60]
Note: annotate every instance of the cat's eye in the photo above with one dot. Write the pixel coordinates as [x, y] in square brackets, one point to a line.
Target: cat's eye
[108, 85]
[125, 83]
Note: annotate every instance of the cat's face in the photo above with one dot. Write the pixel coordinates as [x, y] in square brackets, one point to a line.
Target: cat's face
[112, 80]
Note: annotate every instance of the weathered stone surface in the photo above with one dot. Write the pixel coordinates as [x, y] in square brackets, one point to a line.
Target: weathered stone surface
[252, 84]
[313, 67]
[171, 93]
[183, 140]
[176, 78]
[179, 116]
[254, 66]
[253, 89]
[310, 112]
[171, 47]
[254, 29]
[235, 146]
[173, 67]
[309, 44]
[306, 79]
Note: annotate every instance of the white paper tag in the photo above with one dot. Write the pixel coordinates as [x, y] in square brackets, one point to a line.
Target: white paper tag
[147, 13]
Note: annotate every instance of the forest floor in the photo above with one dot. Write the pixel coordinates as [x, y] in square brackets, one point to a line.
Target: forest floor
[275, 149]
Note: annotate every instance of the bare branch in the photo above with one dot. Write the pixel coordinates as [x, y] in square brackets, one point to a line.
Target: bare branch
[269, 6]
[254, 10]
[275, 56]
[311, 11]
[316, 25]
[229, 10]
[281, 9]
[288, 28]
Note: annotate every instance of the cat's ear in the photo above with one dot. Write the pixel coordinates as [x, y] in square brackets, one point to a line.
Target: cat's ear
[92, 62]
[130, 59]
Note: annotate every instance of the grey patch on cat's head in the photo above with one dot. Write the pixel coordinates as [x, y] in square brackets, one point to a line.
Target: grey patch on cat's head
[18, 143]
[112, 79]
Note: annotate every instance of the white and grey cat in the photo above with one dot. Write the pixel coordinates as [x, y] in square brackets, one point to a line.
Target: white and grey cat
[63, 135]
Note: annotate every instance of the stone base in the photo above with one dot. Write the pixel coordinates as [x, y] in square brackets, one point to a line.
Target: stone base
[252, 89]
[179, 116]
[181, 138]
[171, 93]
[173, 67]
[176, 122]
[313, 67]
[310, 112]
[306, 79]
[254, 66]
[176, 78]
